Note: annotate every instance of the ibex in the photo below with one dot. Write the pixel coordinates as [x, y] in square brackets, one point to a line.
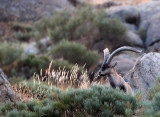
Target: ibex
[115, 80]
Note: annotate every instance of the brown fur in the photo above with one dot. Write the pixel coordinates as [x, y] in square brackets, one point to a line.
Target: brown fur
[116, 80]
[108, 70]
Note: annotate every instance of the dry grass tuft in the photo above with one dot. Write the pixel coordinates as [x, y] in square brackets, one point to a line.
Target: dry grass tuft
[26, 93]
[64, 79]
[43, 83]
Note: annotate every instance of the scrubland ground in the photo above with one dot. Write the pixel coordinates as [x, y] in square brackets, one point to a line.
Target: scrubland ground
[50, 64]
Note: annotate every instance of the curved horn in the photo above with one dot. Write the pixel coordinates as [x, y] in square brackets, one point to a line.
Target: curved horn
[125, 48]
[106, 55]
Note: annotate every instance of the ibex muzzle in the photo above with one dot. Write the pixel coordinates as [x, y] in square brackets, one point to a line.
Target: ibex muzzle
[108, 70]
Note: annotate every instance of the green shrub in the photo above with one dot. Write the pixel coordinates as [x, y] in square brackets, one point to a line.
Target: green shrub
[85, 22]
[75, 53]
[21, 27]
[95, 101]
[154, 90]
[113, 31]
[9, 53]
[24, 113]
[7, 107]
[59, 63]
[13, 113]
[107, 102]
[23, 36]
[44, 26]
[152, 108]
[14, 79]
[33, 90]
[21, 106]
[30, 64]
[152, 105]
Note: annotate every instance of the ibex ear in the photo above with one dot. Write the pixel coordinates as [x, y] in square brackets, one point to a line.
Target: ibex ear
[106, 55]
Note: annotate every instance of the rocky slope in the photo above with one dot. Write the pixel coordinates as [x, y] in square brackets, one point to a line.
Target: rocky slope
[30, 10]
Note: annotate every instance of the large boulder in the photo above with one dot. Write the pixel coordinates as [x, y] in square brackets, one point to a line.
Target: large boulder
[131, 27]
[148, 10]
[153, 32]
[145, 72]
[133, 39]
[26, 10]
[127, 14]
[130, 39]
[7, 93]
[150, 17]
[154, 48]
[125, 63]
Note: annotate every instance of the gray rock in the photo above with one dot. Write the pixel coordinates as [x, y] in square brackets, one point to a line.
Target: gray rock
[154, 48]
[7, 94]
[30, 48]
[153, 32]
[149, 10]
[133, 39]
[150, 15]
[125, 63]
[130, 39]
[145, 72]
[44, 43]
[131, 27]
[26, 10]
[142, 31]
[127, 14]
[144, 24]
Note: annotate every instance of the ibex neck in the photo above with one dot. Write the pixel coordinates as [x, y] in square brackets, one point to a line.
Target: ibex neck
[113, 78]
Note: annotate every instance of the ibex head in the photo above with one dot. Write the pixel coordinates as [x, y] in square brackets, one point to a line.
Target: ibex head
[106, 66]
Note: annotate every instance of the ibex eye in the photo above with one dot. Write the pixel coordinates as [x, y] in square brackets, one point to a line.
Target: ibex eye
[104, 67]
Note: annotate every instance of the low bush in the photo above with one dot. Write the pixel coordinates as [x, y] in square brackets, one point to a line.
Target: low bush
[29, 90]
[154, 90]
[30, 64]
[21, 27]
[9, 53]
[23, 32]
[83, 23]
[23, 36]
[151, 106]
[94, 101]
[75, 53]
[13, 80]
[61, 64]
